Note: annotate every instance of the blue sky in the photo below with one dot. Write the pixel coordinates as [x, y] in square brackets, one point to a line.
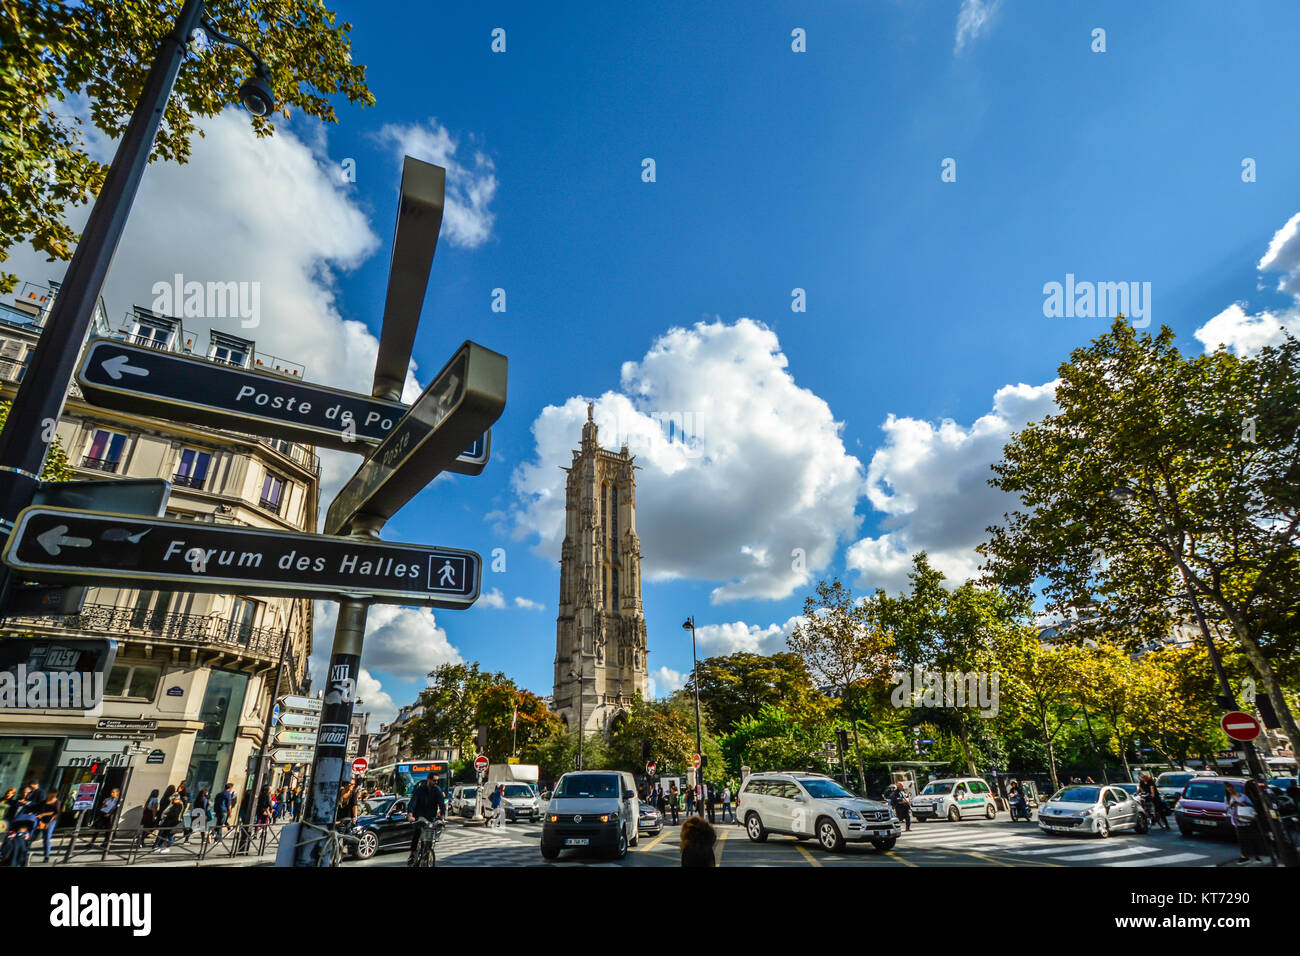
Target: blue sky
[858, 430]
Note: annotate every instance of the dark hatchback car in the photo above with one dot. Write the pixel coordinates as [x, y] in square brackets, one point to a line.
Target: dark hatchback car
[652, 821]
[382, 825]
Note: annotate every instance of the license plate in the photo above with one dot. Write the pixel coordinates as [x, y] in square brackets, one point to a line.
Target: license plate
[881, 833]
[577, 841]
[1204, 823]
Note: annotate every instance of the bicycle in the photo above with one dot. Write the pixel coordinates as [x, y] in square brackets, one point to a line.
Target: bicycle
[429, 833]
[335, 841]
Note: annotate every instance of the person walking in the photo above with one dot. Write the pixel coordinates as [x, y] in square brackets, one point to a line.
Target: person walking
[498, 800]
[690, 801]
[661, 800]
[264, 807]
[674, 801]
[149, 816]
[698, 838]
[169, 822]
[198, 816]
[345, 817]
[47, 820]
[222, 807]
[104, 817]
[898, 799]
[1242, 816]
[726, 804]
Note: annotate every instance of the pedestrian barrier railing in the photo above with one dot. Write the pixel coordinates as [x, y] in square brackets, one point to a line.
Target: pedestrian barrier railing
[128, 845]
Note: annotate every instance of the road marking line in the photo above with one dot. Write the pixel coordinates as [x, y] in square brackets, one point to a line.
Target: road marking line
[722, 845]
[1162, 861]
[806, 855]
[651, 845]
[1108, 854]
[983, 856]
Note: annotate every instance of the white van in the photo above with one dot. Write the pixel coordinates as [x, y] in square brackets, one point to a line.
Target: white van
[954, 798]
[592, 809]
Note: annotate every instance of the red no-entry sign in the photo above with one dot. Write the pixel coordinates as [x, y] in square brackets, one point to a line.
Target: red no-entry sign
[360, 766]
[650, 769]
[696, 761]
[481, 763]
[1240, 726]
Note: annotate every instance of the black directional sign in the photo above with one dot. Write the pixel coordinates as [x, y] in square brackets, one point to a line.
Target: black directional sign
[465, 398]
[63, 545]
[169, 385]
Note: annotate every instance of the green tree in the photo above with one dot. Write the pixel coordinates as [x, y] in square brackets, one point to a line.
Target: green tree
[558, 754]
[774, 740]
[843, 644]
[56, 467]
[51, 51]
[500, 705]
[1208, 449]
[738, 685]
[451, 707]
[1037, 679]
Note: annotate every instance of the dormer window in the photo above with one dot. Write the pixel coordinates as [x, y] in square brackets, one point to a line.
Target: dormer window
[229, 349]
[154, 332]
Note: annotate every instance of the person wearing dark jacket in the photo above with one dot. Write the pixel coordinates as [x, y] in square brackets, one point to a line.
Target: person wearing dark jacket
[697, 842]
[221, 808]
[426, 802]
[168, 822]
[104, 817]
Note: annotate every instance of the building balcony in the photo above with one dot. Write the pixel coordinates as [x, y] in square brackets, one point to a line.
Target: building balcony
[99, 464]
[189, 481]
[125, 623]
[270, 505]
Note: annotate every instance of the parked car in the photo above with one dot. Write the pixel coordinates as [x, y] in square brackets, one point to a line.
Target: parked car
[813, 805]
[592, 809]
[954, 798]
[381, 825]
[1204, 806]
[1092, 809]
[1172, 782]
[651, 821]
[463, 799]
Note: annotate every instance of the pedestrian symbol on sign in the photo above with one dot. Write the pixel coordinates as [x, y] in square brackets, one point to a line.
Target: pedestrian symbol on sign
[447, 576]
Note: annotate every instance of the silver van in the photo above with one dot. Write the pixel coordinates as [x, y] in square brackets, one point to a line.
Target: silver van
[591, 809]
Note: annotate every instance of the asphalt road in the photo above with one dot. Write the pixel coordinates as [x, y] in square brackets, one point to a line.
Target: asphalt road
[981, 842]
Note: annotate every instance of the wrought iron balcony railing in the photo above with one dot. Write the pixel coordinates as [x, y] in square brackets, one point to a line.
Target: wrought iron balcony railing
[189, 481]
[127, 623]
[100, 464]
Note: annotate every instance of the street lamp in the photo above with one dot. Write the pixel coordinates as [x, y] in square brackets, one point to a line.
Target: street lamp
[689, 625]
[581, 716]
[255, 92]
[1124, 494]
[41, 394]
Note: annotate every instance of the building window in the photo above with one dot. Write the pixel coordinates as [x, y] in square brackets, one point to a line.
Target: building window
[229, 355]
[193, 470]
[154, 335]
[613, 588]
[214, 744]
[136, 681]
[242, 615]
[272, 493]
[105, 452]
[613, 523]
[12, 360]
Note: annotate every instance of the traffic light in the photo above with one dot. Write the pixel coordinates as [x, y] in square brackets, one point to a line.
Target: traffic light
[842, 738]
[704, 761]
[645, 751]
[1266, 711]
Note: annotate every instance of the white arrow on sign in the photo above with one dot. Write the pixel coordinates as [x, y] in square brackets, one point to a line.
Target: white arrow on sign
[299, 720]
[292, 756]
[309, 704]
[56, 539]
[117, 365]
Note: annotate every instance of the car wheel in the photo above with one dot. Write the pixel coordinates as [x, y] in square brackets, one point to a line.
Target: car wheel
[550, 852]
[636, 839]
[990, 811]
[953, 814]
[620, 851]
[1141, 825]
[754, 827]
[1185, 830]
[367, 845]
[828, 835]
[1103, 828]
[884, 846]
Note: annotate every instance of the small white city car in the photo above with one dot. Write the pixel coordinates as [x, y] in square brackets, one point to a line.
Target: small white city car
[1098, 810]
[813, 805]
[954, 798]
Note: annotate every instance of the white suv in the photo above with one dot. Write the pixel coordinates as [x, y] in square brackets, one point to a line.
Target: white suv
[813, 805]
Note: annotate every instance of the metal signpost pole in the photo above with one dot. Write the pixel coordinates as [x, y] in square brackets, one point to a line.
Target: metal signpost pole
[270, 706]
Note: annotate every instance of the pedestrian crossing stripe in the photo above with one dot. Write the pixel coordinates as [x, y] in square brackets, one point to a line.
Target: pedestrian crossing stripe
[1162, 861]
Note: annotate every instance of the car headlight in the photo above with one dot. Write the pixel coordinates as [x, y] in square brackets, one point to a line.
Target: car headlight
[847, 814]
[554, 818]
[609, 818]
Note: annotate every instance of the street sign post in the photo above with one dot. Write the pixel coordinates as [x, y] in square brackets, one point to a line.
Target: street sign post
[62, 546]
[360, 766]
[1240, 726]
[461, 403]
[650, 769]
[481, 764]
[695, 761]
[299, 720]
[295, 738]
[296, 755]
[310, 704]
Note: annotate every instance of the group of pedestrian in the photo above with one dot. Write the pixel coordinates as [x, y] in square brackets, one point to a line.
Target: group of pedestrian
[704, 799]
[898, 798]
[22, 816]
[1246, 810]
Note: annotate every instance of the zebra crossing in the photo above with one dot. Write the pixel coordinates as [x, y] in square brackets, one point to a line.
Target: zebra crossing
[1032, 847]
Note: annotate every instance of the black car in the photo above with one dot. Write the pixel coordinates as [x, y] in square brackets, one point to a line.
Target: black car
[652, 821]
[382, 825]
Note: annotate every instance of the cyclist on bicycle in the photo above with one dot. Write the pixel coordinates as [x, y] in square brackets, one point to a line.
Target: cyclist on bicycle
[1152, 802]
[427, 802]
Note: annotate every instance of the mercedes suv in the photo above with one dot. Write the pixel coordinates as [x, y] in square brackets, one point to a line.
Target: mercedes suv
[813, 805]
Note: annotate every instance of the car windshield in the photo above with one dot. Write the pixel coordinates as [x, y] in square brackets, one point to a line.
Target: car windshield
[937, 788]
[588, 785]
[519, 790]
[469, 792]
[1281, 782]
[1128, 787]
[378, 806]
[1211, 790]
[823, 789]
[1077, 795]
[1172, 780]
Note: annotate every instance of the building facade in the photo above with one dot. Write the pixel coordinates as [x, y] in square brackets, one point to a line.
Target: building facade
[193, 672]
[600, 640]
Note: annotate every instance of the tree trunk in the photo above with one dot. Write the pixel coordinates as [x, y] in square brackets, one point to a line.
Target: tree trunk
[1101, 760]
[1051, 755]
[1265, 671]
[963, 733]
[857, 746]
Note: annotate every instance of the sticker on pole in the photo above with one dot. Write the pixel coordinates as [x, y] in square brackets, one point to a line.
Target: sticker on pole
[1240, 726]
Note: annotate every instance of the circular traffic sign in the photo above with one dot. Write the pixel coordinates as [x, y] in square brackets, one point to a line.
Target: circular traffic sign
[650, 768]
[696, 761]
[1240, 726]
[481, 763]
[360, 766]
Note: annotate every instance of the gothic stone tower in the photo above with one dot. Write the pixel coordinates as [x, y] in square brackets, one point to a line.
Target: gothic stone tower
[600, 632]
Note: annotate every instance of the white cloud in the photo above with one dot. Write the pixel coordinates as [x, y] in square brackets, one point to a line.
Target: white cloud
[471, 183]
[375, 700]
[493, 599]
[528, 604]
[1233, 328]
[664, 681]
[973, 21]
[760, 471]
[405, 643]
[720, 640]
[932, 483]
